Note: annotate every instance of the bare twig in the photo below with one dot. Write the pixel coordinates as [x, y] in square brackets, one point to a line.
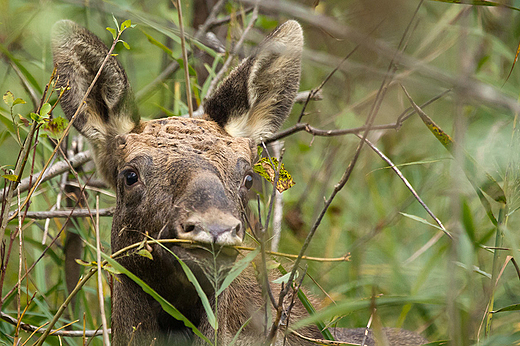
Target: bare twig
[185, 59]
[208, 23]
[60, 167]
[101, 295]
[235, 50]
[298, 127]
[31, 328]
[12, 185]
[408, 185]
[227, 19]
[313, 92]
[65, 213]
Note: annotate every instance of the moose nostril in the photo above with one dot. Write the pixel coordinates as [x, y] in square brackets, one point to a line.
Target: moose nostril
[189, 228]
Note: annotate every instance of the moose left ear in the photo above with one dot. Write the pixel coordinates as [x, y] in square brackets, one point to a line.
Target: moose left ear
[257, 96]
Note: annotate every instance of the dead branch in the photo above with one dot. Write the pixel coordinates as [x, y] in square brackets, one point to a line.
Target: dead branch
[55, 332]
[56, 169]
[65, 213]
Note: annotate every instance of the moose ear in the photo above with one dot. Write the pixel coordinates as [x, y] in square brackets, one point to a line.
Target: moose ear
[110, 108]
[257, 96]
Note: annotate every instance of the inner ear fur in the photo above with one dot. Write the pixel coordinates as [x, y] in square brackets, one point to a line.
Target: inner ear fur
[257, 96]
[110, 107]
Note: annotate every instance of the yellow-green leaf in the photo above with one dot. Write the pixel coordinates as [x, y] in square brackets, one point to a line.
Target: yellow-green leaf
[9, 98]
[145, 253]
[126, 24]
[113, 32]
[10, 177]
[265, 169]
[18, 101]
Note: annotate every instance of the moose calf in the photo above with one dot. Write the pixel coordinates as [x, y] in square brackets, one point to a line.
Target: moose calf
[179, 178]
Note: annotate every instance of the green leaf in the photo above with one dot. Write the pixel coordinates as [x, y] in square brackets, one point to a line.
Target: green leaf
[475, 174]
[166, 305]
[112, 31]
[420, 219]
[115, 21]
[284, 278]
[351, 305]
[27, 77]
[9, 99]
[202, 295]
[514, 307]
[84, 263]
[111, 269]
[19, 101]
[10, 177]
[145, 253]
[191, 70]
[44, 111]
[127, 46]
[237, 269]
[157, 43]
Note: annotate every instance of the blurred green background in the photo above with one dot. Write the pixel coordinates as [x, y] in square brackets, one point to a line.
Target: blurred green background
[422, 280]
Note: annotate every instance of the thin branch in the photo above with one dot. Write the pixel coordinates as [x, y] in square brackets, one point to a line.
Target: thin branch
[19, 167]
[60, 167]
[55, 332]
[65, 213]
[210, 20]
[185, 58]
[235, 50]
[408, 185]
[298, 127]
[101, 295]
[227, 19]
[329, 76]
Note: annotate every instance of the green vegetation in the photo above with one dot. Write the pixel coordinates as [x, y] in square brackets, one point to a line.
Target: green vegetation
[436, 83]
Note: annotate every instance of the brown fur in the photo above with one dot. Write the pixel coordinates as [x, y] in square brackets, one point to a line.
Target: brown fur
[184, 178]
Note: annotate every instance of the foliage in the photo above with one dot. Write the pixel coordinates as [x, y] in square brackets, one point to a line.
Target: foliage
[462, 289]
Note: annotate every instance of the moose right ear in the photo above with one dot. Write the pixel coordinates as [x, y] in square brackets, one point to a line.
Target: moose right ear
[110, 108]
[257, 96]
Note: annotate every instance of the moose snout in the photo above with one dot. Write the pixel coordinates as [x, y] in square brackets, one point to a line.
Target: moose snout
[212, 227]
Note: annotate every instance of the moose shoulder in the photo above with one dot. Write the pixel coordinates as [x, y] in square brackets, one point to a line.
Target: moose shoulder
[179, 178]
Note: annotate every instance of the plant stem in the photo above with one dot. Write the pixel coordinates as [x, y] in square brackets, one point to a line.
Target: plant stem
[497, 256]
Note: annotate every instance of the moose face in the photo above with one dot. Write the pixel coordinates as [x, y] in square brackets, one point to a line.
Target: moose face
[178, 178]
[183, 179]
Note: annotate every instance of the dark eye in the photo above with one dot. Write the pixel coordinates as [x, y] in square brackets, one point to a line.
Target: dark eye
[131, 178]
[248, 181]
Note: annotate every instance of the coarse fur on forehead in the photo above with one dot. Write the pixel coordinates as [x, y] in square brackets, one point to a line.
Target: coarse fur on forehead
[177, 138]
